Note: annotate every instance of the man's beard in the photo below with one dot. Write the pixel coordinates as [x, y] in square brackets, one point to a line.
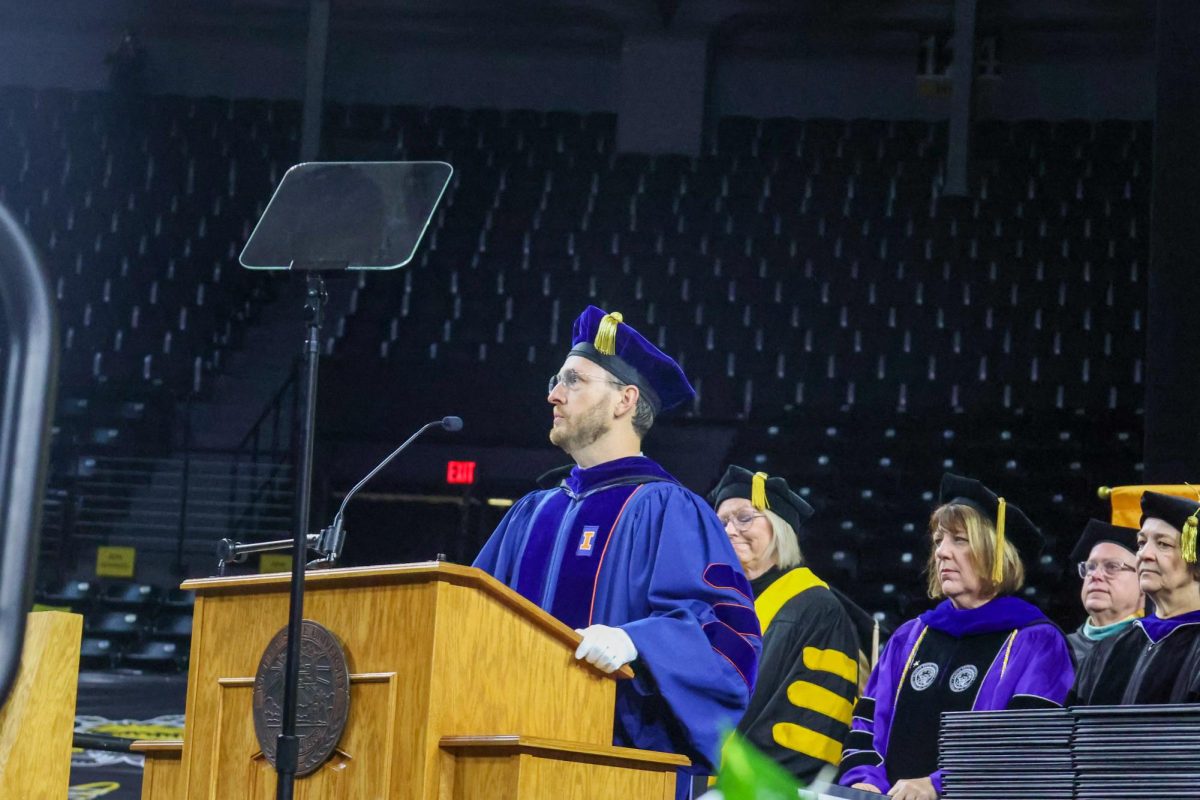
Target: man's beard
[583, 431]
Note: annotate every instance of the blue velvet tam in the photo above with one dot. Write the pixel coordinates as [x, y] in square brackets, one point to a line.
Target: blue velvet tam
[606, 340]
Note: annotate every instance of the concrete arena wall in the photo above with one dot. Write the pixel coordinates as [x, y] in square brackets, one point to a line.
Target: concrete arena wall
[848, 74]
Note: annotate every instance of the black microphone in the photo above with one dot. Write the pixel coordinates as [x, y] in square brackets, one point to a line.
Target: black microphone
[329, 543]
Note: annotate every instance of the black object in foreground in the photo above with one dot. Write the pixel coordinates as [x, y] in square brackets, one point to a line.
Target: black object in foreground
[30, 348]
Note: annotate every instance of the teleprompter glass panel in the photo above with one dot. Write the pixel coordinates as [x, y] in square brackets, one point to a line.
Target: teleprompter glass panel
[347, 215]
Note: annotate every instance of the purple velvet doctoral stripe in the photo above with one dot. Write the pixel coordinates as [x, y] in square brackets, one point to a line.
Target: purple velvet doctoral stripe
[726, 635]
[742, 619]
[1157, 629]
[600, 492]
[724, 576]
[531, 574]
[575, 584]
[632, 469]
[734, 647]
[998, 614]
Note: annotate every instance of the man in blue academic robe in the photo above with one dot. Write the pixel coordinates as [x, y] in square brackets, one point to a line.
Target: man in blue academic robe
[623, 553]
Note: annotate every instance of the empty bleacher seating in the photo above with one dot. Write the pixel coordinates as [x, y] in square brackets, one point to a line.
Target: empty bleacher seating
[798, 263]
[139, 214]
[810, 275]
[127, 625]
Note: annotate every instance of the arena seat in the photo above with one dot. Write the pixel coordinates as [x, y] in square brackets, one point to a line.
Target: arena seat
[805, 271]
[155, 656]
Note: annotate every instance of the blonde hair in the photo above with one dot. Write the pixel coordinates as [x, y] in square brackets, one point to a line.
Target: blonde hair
[784, 542]
[981, 543]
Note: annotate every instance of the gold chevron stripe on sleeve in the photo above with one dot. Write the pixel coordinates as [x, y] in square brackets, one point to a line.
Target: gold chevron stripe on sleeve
[803, 694]
[834, 661]
[776, 596]
[807, 741]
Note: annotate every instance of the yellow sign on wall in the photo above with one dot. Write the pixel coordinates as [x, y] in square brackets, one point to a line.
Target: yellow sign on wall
[115, 562]
[274, 562]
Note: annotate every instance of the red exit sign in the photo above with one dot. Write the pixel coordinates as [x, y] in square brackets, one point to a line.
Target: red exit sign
[460, 472]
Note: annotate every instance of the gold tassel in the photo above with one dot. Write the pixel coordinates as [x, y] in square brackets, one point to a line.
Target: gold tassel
[875, 645]
[1188, 540]
[998, 558]
[758, 491]
[606, 334]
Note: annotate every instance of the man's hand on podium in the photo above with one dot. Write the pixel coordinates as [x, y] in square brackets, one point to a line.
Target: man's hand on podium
[606, 648]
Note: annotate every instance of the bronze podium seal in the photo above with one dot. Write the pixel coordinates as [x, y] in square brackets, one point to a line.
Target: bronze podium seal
[323, 696]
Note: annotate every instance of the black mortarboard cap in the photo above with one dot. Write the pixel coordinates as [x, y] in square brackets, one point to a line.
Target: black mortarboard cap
[764, 492]
[1096, 532]
[1175, 511]
[1017, 527]
[1178, 512]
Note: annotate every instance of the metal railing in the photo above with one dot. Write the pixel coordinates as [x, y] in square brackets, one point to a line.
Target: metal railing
[180, 505]
[271, 440]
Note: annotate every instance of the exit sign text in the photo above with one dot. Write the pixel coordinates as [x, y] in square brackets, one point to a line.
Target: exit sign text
[460, 472]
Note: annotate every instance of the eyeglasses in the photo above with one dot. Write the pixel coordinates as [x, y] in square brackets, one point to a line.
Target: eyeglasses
[1111, 569]
[741, 522]
[573, 381]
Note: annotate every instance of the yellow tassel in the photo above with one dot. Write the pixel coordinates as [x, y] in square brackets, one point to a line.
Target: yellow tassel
[1188, 541]
[998, 558]
[1007, 652]
[758, 491]
[606, 334]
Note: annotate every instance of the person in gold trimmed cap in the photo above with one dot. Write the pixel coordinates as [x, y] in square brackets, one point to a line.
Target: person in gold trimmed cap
[631, 559]
[1157, 659]
[981, 649]
[808, 680]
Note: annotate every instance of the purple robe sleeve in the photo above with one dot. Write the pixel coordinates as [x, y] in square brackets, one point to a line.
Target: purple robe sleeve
[1039, 672]
[866, 745]
[694, 626]
[1036, 672]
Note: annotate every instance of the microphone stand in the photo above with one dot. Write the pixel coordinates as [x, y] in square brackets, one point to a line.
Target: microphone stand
[329, 543]
[287, 748]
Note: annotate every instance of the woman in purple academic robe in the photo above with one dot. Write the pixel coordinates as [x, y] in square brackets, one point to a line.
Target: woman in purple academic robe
[981, 649]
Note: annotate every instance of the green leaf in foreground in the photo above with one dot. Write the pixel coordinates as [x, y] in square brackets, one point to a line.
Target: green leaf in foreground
[747, 774]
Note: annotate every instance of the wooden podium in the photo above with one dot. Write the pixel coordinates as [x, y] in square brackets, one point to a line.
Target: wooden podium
[37, 722]
[459, 689]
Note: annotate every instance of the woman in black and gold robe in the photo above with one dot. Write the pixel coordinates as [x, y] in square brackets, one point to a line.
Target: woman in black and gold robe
[809, 671]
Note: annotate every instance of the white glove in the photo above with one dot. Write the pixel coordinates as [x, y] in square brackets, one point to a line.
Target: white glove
[608, 649]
